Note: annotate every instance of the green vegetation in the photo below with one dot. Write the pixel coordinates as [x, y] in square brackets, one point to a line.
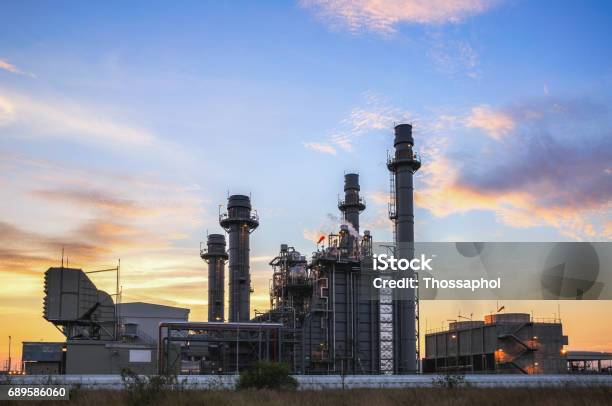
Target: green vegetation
[267, 375]
[146, 390]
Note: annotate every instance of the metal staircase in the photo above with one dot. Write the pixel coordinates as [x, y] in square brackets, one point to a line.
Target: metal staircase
[527, 348]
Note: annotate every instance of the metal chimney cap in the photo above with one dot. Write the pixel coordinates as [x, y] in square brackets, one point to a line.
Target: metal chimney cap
[216, 239]
[239, 201]
[403, 134]
[351, 181]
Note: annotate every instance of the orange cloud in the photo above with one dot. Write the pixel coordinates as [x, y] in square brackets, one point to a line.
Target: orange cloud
[94, 216]
[608, 230]
[95, 198]
[446, 193]
[378, 197]
[494, 123]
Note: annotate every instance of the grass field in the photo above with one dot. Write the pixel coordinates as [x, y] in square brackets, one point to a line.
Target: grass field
[352, 397]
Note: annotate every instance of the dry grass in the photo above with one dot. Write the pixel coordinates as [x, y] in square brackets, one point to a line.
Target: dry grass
[360, 397]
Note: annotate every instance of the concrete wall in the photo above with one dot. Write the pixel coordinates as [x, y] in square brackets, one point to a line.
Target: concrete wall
[334, 381]
[42, 368]
[104, 357]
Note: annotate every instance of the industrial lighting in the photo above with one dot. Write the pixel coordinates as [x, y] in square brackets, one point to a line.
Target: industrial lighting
[536, 364]
[453, 336]
[535, 337]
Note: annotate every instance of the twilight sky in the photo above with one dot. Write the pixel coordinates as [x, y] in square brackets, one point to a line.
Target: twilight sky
[124, 126]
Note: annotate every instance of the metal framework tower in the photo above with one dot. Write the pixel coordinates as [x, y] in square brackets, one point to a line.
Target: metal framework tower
[352, 204]
[239, 222]
[215, 256]
[403, 165]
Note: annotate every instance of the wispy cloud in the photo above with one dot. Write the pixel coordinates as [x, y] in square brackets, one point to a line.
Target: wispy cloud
[321, 147]
[29, 117]
[376, 114]
[378, 197]
[9, 67]
[495, 124]
[383, 16]
[97, 199]
[94, 214]
[376, 217]
[452, 56]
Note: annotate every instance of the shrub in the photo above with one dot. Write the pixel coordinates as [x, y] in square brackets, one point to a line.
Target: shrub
[142, 390]
[267, 375]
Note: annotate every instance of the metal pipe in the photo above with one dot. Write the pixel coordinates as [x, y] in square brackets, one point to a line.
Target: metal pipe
[188, 325]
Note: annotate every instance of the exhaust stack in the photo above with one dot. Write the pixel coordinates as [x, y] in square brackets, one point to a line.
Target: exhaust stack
[403, 165]
[352, 204]
[215, 256]
[239, 222]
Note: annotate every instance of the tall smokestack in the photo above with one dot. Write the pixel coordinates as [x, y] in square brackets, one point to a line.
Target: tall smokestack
[215, 256]
[239, 223]
[403, 165]
[352, 204]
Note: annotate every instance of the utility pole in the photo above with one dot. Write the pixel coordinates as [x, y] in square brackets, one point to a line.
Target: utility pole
[9, 355]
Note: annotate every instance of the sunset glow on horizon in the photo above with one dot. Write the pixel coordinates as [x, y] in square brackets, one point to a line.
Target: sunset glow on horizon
[123, 129]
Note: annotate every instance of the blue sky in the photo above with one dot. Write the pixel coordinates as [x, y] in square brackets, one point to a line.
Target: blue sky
[124, 125]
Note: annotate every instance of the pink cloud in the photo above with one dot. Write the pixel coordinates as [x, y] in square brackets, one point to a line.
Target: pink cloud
[495, 124]
[383, 16]
[9, 67]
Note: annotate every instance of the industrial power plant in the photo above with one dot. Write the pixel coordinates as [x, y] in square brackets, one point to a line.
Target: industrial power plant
[325, 316]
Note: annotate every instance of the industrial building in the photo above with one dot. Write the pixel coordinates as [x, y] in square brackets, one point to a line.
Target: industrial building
[45, 358]
[502, 343]
[325, 315]
[101, 337]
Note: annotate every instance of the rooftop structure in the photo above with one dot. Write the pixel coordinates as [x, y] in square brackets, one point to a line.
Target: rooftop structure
[502, 343]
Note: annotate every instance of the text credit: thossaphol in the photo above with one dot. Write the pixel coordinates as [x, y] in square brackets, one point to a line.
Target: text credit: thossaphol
[385, 263]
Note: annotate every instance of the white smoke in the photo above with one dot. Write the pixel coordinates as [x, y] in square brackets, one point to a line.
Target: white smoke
[351, 229]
